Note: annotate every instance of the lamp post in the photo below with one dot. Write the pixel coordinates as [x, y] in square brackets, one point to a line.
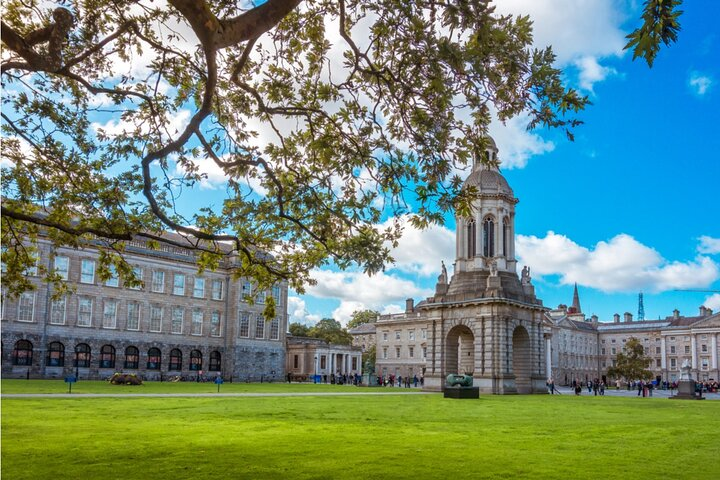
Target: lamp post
[316, 374]
[77, 364]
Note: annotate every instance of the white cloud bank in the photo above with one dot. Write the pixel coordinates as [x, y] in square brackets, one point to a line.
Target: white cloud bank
[709, 245]
[621, 264]
[713, 302]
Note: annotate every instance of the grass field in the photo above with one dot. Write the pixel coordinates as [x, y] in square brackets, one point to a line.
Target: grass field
[418, 436]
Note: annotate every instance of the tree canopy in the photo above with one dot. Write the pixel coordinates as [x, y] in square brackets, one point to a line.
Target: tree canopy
[321, 117]
[326, 329]
[360, 317]
[631, 363]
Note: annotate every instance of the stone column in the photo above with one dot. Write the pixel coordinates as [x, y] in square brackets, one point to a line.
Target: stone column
[548, 357]
[693, 352]
[713, 351]
[663, 360]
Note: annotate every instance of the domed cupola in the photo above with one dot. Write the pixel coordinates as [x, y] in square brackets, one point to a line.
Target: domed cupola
[486, 239]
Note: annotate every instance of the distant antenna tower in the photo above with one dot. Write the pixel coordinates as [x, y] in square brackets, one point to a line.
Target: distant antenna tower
[641, 307]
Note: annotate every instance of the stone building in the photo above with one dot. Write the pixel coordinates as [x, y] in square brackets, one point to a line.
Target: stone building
[363, 336]
[179, 323]
[307, 357]
[484, 320]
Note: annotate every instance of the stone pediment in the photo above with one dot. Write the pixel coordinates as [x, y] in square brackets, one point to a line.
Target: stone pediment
[713, 321]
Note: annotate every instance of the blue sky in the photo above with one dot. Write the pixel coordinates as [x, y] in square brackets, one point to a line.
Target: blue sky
[632, 205]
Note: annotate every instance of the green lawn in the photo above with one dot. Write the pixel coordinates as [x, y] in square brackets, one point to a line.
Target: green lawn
[96, 386]
[360, 437]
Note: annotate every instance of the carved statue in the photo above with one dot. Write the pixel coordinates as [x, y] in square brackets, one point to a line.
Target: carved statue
[443, 278]
[493, 268]
[461, 380]
[525, 279]
[685, 370]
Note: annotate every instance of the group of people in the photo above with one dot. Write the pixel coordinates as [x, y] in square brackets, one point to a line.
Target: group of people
[400, 381]
[596, 386]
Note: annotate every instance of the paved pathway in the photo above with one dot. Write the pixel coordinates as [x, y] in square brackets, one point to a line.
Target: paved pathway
[624, 392]
[210, 395]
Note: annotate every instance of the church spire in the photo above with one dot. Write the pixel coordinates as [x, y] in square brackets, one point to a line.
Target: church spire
[576, 301]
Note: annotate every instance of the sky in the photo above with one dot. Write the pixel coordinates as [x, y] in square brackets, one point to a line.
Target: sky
[630, 206]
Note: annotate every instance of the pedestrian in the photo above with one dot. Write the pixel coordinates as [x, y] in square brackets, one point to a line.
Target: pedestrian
[415, 380]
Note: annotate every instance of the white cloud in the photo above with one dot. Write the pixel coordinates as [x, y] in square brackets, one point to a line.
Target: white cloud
[592, 72]
[709, 245]
[713, 302]
[357, 291]
[516, 144]
[700, 84]
[621, 264]
[421, 251]
[298, 313]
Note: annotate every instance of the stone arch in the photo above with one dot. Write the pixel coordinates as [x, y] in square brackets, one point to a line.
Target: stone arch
[460, 350]
[522, 359]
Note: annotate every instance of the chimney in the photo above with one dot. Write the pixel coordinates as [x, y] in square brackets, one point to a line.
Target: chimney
[676, 314]
[616, 318]
[409, 305]
[628, 317]
[594, 319]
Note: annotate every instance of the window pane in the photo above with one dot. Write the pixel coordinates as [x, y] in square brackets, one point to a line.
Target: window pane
[177, 320]
[87, 271]
[133, 316]
[109, 314]
[199, 288]
[114, 280]
[244, 330]
[179, 284]
[62, 266]
[260, 327]
[215, 330]
[275, 329]
[26, 307]
[158, 281]
[156, 314]
[197, 321]
[217, 289]
[84, 312]
[138, 272]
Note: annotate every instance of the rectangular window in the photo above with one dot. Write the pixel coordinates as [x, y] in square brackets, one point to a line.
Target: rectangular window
[275, 329]
[215, 328]
[138, 272]
[276, 294]
[385, 335]
[385, 352]
[176, 325]
[217, 289]
[84, 312]
[703, 348]
[687, 348]
[672, 348]
[133, 316]
[246, 291]
[657, 350]
[323, 361]
[424, 352]
[57, 311]
[672, 339]
[199, 288]
[704, 363]
[411, 352]
[397, 334]
[612, 341]
[244, 328]
[296, 361]
[260, 297]
[110, 314]
[87, 271]
[260, 327]
[32, 271]
[156, 315]
[26, 307]
[411, 335]
[423, 333]
[197, 321]
[613, 350]
[397, 352]
[602, 351]
[673, 363]
[114, 280]
[657, 363]
[62, 267]
[158, 281]
[179, 284]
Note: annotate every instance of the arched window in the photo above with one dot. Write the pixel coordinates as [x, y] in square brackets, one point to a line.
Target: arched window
[471, 239]
[214, 361]
[506, 237]
[22, 353]
[82, 355]
[107, 356]
[489, 237]
[175, 359]
[154, 357]
[55, 355]
[195, 360]
[132, 357]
